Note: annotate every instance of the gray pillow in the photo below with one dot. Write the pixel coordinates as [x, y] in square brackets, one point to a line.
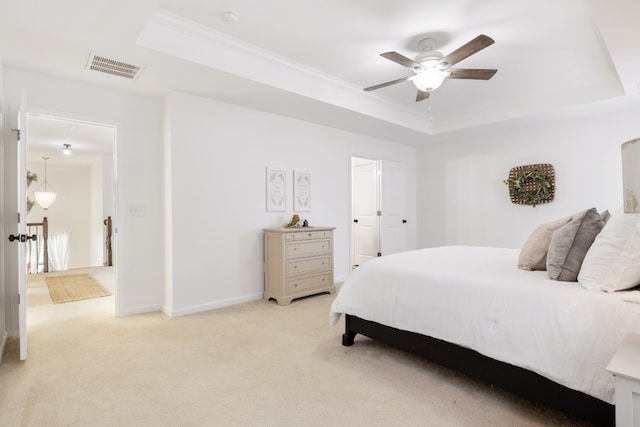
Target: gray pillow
[570, 243]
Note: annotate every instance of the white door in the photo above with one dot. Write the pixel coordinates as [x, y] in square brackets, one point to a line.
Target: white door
[365, 210]
[393, 237]
[16, 221]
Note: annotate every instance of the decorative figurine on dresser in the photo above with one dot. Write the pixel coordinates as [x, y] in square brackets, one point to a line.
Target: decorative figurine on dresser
[298, 262]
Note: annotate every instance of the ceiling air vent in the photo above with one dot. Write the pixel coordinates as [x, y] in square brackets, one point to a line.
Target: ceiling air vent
[113, 66]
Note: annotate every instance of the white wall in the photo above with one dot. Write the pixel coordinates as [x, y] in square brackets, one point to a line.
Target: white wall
[218, 155]
[462, 197]
[138, 119]
[96, 214]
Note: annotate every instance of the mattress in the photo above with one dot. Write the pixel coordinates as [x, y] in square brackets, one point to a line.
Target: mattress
[477, 298]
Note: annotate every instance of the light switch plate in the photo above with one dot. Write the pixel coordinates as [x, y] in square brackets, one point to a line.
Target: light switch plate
[135, 210]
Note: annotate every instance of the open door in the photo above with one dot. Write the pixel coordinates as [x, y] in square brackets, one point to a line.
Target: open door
[364, 173]
[16, 222]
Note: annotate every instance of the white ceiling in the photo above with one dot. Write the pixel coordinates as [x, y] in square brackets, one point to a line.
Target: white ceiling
[47, 137]
[310, 59]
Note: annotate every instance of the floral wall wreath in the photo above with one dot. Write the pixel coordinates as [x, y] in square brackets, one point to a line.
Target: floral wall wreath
[531, 184]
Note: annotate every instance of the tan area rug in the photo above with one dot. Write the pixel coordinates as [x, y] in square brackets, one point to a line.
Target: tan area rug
[74, 287]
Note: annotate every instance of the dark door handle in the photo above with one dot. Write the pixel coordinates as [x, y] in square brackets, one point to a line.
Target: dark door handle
[355, 220]
[21, 237]
[404, 221]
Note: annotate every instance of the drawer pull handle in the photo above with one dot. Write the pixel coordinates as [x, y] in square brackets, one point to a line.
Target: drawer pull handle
[295, 266]
[295, 285]
[295, 249]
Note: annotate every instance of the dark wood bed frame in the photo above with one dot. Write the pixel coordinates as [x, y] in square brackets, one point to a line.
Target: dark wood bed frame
[508, 377]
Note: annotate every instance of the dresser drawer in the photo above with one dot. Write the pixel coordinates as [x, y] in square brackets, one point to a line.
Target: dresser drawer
[305, 235]
[308, 265]
[302, 283]
[308, 248]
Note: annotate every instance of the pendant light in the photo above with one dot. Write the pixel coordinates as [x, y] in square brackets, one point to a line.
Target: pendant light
[46, 197]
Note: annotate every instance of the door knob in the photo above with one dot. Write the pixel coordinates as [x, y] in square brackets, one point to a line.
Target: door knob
[355, 220]
[21, 237]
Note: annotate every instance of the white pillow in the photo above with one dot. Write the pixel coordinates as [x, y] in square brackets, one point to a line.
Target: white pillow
[533, 255]
[613, 260]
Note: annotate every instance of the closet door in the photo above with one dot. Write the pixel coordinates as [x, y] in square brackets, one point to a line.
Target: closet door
[393, 220]
[365, 209]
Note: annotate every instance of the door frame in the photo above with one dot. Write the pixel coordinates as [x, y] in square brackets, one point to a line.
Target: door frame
[115, 238]
[21, 191]
[382, 221]
[64, 118]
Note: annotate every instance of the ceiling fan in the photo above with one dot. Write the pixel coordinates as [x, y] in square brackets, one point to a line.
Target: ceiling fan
[431, 68]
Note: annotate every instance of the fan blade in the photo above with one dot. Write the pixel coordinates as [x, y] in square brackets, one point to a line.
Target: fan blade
[471, 73]
[464, 51]
[422, 95]
[402, 60]
[381, 85]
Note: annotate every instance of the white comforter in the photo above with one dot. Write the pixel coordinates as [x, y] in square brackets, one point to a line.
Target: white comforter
[477, 298]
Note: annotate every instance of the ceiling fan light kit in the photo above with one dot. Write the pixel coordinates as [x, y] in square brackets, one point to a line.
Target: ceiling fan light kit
[428, 59]
[430, 79]
[431, 68]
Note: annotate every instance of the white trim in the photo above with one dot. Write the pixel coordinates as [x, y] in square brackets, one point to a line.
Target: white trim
[211, 306]
[143, 309]
[174, 35]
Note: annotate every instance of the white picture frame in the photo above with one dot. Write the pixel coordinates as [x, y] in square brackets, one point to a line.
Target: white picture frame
[276, 190]
[302, 191]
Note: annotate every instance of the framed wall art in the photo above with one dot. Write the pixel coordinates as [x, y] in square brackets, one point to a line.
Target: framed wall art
[301, 191]
[276, 190]
[531, 184]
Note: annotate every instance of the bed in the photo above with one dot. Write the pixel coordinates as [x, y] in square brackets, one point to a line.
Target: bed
[471, 309]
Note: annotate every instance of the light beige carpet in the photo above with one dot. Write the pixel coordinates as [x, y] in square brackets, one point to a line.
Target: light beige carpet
[74, 287]
[255, 364]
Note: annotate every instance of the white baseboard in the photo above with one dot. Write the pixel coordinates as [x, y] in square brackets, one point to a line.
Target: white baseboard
[132, 311]
[210, 306]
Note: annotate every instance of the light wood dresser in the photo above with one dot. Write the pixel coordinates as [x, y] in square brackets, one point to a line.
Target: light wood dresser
[297, 262]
